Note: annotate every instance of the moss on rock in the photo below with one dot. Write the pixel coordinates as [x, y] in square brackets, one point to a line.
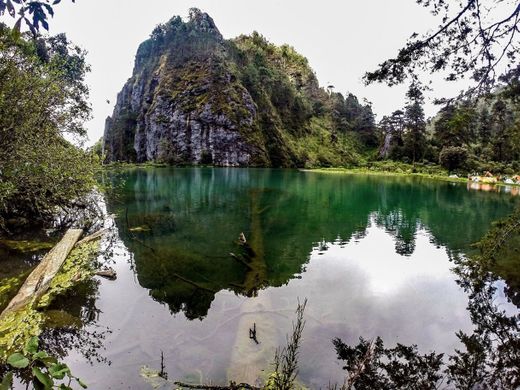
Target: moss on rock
[26, 246]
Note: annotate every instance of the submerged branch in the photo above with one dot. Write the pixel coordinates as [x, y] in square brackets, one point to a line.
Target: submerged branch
[232, 386]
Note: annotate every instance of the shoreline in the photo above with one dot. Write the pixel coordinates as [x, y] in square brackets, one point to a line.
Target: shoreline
[332, 170]
[372, 172]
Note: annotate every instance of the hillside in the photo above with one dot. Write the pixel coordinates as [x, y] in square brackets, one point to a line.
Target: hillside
[197, 98]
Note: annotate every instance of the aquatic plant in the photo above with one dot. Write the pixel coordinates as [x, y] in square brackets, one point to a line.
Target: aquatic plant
[39, 368]
[282, 378]
[286, 358]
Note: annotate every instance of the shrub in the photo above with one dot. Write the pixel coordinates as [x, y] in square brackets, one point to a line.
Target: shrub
[453, 157]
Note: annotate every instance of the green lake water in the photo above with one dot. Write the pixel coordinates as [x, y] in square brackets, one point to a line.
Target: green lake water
[372, 254]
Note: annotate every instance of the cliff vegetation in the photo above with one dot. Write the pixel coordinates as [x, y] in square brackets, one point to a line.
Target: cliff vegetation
[197, 98]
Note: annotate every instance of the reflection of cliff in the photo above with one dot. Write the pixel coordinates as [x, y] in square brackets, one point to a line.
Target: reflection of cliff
[185, 222]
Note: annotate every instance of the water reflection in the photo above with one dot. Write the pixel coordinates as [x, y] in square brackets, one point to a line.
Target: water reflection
[513, 190]
[373, 255]
[182, 224]
[488, 358]
[71, 325]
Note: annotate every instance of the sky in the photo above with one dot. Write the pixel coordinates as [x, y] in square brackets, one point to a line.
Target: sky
[342, 39]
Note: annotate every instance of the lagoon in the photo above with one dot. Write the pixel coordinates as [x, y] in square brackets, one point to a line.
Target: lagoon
[373, 255]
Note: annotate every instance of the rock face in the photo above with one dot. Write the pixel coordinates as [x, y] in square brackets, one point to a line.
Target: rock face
[196, 98]
[166, 130]
[158, 115]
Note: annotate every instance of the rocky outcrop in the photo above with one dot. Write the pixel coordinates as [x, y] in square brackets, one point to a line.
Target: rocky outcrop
[167, 112]
[196, 98]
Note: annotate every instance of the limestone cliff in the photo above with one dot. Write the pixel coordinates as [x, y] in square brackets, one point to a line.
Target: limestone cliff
[196, 98]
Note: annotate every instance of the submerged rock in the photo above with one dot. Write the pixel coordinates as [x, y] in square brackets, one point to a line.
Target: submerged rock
[25, 246]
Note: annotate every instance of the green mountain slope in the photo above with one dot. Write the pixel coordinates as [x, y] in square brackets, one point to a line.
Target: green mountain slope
[196, 98]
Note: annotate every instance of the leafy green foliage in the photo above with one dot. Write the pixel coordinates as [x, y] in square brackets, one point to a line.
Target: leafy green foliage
[45, 371]
[403, 133]
[453, 157]
[286, 359]
[7, 381]
[350, 116]
[487, 128]
[17, 360]
[474, 37]
[292, 107]
[414, 138]
[42, 97]
[267, 92]
[475, 135]
[31, 12]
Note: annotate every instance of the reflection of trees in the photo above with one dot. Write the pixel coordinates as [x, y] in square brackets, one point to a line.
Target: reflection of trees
[402, 228]
[71, 324]
[506, 264]
[372, 366]
[185, 222]
[492, 355]
[489, 359]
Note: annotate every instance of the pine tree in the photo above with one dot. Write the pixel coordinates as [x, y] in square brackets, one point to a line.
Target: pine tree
[501, 122]
[414, 137]
[484, 126]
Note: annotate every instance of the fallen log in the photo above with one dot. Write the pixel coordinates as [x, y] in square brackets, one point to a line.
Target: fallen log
[41, 277]
[93, 236]
[241, 261]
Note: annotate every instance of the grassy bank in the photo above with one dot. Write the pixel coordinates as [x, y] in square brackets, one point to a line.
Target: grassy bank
[126, 165]
[391, 168]
[368, 171]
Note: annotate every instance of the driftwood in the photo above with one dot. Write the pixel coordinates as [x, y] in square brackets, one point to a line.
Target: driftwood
[241, 261]
[41, 277]
[108, 273]
[93, 236]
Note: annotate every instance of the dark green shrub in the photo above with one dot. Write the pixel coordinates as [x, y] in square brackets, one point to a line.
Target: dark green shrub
[453, 157]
